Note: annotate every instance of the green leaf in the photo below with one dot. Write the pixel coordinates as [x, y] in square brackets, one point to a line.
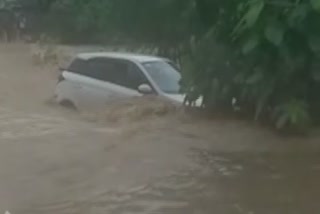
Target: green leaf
[250, 18]
[240, 7]
[255, 9]
[274, 33]
[314, 43]
[298, 14]
[250, 44]
[315, 4]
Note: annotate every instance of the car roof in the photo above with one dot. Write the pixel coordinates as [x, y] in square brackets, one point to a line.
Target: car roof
[119, 55]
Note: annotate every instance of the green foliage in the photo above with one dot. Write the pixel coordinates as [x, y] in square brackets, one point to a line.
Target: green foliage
[274, 32]
[253, 11]
[272, 52]
[286, 51]
[292, 114]
[315, 4]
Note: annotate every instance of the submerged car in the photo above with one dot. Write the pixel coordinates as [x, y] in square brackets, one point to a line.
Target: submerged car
[93, 80]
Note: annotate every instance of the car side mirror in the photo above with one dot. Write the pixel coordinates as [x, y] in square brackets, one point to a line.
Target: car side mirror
[145, 89]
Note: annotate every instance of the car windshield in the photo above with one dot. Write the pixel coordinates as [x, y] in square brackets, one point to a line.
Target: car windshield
[164, 75]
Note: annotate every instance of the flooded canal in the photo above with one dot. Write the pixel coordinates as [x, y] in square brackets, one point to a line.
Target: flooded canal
[243, 183]
[55, 162]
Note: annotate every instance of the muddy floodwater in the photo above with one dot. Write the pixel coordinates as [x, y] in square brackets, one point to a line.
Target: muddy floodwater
[56, 161]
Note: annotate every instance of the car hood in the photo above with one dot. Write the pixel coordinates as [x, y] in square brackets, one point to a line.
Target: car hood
[179, 98]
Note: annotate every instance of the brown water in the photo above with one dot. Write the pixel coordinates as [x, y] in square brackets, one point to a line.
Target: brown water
[56, 161]
[222, 183]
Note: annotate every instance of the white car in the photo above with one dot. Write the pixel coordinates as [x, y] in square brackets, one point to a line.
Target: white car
[94, 79]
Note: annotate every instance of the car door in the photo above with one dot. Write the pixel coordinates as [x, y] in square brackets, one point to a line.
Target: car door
[136, 78]
[86, 84]
[110, 80]
[122, 79]
[78, 84]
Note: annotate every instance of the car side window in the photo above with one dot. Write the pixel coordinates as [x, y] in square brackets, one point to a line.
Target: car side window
[109, 70]
[120, 72]
[136, 77]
